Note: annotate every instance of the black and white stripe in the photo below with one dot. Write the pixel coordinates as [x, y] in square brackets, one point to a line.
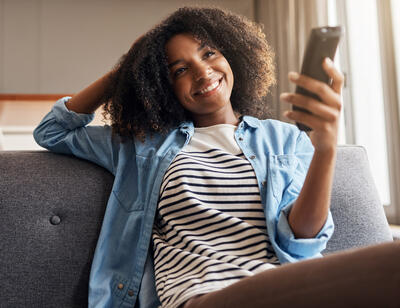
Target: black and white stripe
[210, 228]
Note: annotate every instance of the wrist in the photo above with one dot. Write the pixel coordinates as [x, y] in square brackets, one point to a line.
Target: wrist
[326, 152]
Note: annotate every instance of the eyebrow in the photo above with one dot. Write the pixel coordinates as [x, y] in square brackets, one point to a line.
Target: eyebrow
[178, 61]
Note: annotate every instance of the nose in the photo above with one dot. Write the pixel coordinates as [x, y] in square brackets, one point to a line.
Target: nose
[201, 70]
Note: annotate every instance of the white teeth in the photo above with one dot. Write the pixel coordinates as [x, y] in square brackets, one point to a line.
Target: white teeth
[210, 88]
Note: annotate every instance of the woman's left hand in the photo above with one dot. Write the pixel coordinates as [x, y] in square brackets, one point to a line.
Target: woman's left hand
[325, 114]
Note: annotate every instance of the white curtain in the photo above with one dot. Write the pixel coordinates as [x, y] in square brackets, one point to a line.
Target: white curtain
[287, 24]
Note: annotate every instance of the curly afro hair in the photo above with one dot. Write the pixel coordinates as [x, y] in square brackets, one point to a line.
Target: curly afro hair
[140, 100]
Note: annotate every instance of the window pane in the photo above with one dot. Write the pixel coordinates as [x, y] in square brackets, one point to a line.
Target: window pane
[366, 88]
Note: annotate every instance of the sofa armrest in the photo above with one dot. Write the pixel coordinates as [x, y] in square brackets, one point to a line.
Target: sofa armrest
[356, 208]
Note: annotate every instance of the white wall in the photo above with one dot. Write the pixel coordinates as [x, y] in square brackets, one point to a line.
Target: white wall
[60, 46]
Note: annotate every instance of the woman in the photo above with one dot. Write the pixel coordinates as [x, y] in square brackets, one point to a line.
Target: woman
[207, 200]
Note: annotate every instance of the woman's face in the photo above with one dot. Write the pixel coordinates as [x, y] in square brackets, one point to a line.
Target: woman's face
[202, 78]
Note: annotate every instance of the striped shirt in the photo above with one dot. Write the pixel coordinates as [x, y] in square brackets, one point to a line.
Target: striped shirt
[210, 227]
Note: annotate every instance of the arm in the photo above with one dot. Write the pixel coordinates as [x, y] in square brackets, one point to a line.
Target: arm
[310, 210]
[88, 100]
[64, 129]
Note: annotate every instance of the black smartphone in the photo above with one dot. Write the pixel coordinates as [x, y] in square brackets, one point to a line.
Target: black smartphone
[322, 43]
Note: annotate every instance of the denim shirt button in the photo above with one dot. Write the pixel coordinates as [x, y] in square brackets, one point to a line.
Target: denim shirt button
[130, 293]
[240, 139]
[120, 286]
[252, 157]
[264, 183]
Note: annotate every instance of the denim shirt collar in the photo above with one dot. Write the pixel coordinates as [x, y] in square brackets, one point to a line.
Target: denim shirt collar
[250, 121]
[187, 127]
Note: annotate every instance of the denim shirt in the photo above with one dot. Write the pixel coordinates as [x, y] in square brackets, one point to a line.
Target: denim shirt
[122, 273]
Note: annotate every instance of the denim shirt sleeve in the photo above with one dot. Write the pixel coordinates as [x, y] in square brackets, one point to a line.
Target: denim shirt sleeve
[64, 131]
[300, 247]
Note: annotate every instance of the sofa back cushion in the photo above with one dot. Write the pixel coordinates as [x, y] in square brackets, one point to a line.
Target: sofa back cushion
[51, 210]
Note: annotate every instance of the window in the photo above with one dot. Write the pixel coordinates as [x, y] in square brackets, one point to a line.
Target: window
[371, 109]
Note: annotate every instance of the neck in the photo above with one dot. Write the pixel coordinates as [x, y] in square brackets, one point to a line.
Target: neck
[223, 116]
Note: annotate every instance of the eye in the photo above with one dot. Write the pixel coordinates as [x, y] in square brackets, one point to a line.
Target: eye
[209, 54]
[179, 71]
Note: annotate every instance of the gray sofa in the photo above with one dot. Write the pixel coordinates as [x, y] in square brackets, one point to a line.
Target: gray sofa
[51, 210]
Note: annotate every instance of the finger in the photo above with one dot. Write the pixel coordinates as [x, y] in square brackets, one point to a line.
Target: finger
[335, 74]
[309, 120]
[317, 108]
[324, 91]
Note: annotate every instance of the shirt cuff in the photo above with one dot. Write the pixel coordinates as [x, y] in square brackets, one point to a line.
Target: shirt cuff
[69, 119]
[303, 247]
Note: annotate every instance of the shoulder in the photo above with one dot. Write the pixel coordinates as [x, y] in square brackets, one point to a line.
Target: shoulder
[283, 137]
[272, 124]
[280, 127]
[274, 127]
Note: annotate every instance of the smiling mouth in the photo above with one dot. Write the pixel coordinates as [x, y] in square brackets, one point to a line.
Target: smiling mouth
[211, 89]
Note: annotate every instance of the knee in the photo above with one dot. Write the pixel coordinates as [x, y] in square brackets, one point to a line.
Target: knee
[192, 302]
[201, 301]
